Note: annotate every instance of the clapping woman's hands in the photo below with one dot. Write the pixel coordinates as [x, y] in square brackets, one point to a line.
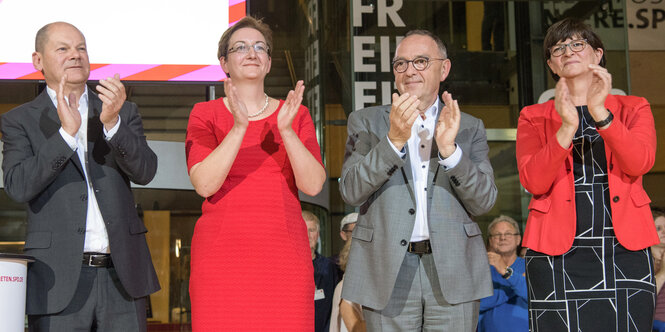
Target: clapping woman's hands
[290, 108]
[235, 105]
[565, 106]
[600, 87]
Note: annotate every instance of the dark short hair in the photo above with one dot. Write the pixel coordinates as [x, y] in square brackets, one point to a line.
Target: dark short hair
[657, 212]
[437, 40]
[570, 28]
[245, 22]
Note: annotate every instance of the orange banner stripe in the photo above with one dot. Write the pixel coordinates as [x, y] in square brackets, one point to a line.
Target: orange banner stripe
[237, 11]
[163, 72]
[37, 75]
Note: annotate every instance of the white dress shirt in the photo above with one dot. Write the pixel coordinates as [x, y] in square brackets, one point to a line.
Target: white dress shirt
[420, 147]
[96, 237]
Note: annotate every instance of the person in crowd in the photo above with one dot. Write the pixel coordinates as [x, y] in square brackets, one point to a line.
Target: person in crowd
[70, 154]
[507, 309]
[325, 275]
[346, 227]
[346, 316]
[248, 155]
[582, 156]
[419, 170]
[658, 252]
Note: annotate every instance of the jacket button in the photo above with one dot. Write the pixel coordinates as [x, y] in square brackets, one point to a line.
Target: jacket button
[615, 199]
[84, 197]
[81, 230]
[403, 242]
[412, 211]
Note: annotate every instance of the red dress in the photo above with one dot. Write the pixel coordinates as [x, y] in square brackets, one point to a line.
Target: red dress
[251, 267]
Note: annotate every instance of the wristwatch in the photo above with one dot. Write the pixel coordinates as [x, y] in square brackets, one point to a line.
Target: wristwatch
[509, 272]
[603, 123]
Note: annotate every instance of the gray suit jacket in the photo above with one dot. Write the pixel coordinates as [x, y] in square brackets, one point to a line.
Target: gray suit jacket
[375, 178]
[41, 170]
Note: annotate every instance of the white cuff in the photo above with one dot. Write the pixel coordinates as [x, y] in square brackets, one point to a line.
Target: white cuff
[71, 141]
[402, 153]
[453, 160]
[109, 134]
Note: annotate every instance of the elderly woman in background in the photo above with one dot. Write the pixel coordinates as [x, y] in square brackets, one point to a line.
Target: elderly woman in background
[658, 252]
[248, 154]
[582, 156]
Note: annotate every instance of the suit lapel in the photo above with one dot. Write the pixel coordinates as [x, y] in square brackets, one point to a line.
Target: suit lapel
[407, 173]
[50, 124]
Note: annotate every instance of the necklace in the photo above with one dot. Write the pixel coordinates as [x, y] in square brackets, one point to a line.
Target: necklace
[261, 110]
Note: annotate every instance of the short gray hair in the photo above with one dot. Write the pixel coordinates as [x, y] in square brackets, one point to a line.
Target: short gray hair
[503, 218]
[439, 43]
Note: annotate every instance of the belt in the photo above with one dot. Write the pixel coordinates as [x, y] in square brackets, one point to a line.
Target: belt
[97, 260]
[420, 247]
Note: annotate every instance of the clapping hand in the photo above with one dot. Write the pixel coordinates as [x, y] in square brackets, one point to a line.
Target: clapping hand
[564, 105]
[601, 83]
[290, 108]
[497, 261]
[112, 93]
[235, 105]
[69, 115]
[447, 125]
[403, 114]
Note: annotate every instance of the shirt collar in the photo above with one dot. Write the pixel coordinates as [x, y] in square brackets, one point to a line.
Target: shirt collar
[54, 99]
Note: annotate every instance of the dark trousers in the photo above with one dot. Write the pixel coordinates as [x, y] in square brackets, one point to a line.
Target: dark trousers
[100, 304]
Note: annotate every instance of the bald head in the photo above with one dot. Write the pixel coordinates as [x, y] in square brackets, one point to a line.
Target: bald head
[42, 35]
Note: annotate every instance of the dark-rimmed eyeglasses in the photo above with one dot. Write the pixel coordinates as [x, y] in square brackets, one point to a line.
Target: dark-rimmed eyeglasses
[243, 48]
[419, 63]
[500, 235]
[575, 46]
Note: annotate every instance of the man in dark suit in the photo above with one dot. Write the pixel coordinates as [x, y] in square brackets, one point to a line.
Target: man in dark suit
[419, 170]
[70, 155]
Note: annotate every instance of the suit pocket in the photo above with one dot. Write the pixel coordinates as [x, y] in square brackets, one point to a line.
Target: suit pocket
[540, 205]
[38, 240]
[472, 229]
[362, 233]
[137, 227]
[640, 197]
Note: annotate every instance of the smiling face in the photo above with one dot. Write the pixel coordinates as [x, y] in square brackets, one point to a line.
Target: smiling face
[503, 240]
[573, 64]
[64, 52]
[425, 83]
[250, 65]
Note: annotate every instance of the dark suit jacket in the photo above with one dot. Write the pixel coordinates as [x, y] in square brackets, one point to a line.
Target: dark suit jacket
[41, 170]
[546, 171]
[375, 178]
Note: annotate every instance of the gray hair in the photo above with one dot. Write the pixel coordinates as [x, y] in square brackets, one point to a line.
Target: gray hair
[439, 43]
[503, 218]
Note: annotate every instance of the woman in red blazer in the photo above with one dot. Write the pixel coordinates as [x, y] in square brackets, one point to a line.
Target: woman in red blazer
[582, 156]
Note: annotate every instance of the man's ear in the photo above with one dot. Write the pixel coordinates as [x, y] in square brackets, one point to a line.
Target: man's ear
[445, 69]
[37, 61]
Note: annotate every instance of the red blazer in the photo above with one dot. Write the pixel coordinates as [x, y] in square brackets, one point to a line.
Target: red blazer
[545, 170]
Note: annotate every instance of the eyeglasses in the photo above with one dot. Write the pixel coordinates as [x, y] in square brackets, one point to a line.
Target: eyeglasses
[575, 46]
[500, 235]
[243, 48]
[420, 63]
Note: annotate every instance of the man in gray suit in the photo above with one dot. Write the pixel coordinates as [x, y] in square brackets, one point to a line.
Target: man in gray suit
[418, 169]
[69, 155]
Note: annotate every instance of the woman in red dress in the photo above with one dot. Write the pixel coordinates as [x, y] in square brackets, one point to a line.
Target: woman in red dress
[248, 155]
